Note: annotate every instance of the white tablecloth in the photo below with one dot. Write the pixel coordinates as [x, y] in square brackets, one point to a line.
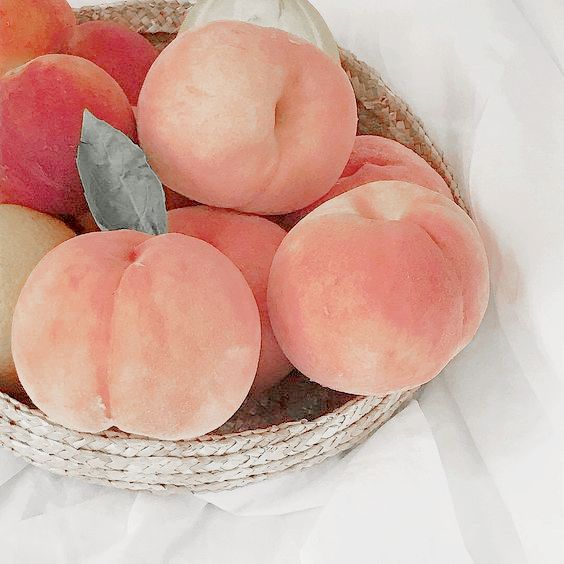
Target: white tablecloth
[473, 471]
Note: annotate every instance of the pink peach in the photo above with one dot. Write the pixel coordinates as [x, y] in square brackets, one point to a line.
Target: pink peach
[158, 336]
[41, 110]
[30, 28]
[379, 288]
[239, 116]
[377, 158]
[124, 54]
[250, 242]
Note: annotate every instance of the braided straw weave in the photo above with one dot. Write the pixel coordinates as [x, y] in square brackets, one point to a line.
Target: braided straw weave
[295, 426]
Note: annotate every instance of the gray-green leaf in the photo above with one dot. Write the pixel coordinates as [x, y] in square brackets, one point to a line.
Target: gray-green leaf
[121, 189]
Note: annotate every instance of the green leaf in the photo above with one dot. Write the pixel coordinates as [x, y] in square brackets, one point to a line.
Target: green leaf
[121, 189]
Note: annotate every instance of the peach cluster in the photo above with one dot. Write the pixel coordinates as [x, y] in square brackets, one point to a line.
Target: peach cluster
[380, 281]
[51, 70]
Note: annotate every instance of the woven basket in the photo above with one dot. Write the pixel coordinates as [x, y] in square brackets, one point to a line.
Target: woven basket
[295, 425]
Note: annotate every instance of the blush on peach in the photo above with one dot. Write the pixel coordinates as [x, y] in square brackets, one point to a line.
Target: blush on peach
[41, 110]
[378, 289]
[239, 116]
[377, 158]
[250, 242]
[124, 54]
[158, 336]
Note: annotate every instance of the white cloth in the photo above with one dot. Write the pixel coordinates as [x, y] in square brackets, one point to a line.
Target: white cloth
[473, 471]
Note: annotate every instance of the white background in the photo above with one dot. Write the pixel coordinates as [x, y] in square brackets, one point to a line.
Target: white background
[473, 471]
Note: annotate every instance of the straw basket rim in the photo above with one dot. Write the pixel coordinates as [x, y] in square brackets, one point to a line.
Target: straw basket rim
[218, 462]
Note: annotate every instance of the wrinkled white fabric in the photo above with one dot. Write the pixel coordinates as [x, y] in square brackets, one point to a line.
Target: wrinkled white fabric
[473, 470]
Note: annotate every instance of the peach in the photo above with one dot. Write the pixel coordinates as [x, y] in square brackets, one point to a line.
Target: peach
[41, 108]
[250, 242]
[25, 237]
[30, 28]
[156, 335]
[124, 54]
[377, 158]
[379, 288]
[239, 116]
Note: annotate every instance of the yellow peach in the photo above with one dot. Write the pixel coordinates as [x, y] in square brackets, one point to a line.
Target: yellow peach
[25, 237]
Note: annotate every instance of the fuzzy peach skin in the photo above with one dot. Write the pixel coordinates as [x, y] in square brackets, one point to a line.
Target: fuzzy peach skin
[250, 242]
[239, 116]
[158, 336]
[41, 109]
[25, 237]
[30, 28]
[377, 289]
[124, 54]
[377, 158]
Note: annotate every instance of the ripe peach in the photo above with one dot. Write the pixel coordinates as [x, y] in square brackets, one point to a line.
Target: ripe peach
[25, 237]
[239, 116]
[377, 289]
[124, 54]
[250, 242]
[30, 28]
[41, 108]
[158, 336]
[377, 158]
